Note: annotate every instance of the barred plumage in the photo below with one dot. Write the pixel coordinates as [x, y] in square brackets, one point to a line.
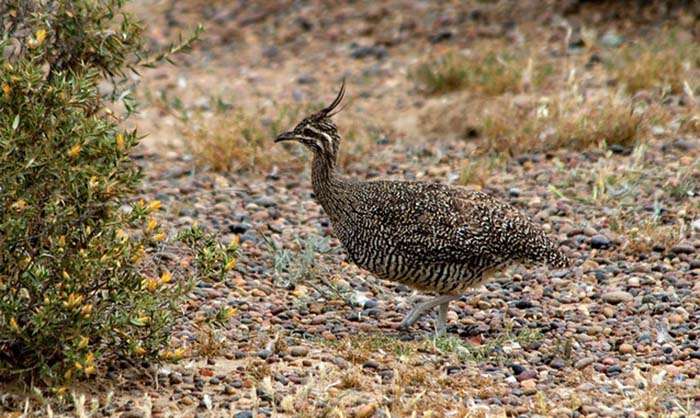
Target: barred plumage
[430, 236]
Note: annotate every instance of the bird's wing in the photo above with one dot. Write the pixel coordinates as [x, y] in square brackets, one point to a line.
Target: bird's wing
[442, 224]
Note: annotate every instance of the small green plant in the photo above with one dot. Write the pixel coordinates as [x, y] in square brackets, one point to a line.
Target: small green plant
[212, 259]
[608, 180]
[299, 266]
[72, 291]
[491, 351]
[686, 183]
[359, 348]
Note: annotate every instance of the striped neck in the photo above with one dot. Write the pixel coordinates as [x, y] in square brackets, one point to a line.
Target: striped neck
[329, 187]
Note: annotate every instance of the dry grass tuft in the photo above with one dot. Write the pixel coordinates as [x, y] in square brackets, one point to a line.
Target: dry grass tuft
[479, 170]
[233, 140]
[360, 348]
[665, 63]
[560, 123]
[644, 236]
[513, 127]
[484, 72]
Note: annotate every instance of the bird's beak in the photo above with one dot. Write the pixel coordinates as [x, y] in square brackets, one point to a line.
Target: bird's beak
[286, 136]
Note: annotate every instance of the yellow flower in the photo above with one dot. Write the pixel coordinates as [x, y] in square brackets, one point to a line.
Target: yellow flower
[122, 235]
[120, 141]
[235, 242]
[149, 284]
[229, 312]
[40, 36]
[73, 301]
[86, 310]
[94, 182]
[89, 358]
[19, 205]
[78, 365]
[74, 150]
[166, 277]
[230, 264]
[151, 225]
[89, 370]
[159, 236]
[13, 325]
[154, 205]
[65, 275]
[62, 241]
[138, 253]
[139, 351]
[179, 353]
[83, 342]
[6, 89]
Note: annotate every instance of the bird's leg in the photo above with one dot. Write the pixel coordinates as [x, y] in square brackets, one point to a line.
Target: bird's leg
[419, 309]
[442, 319]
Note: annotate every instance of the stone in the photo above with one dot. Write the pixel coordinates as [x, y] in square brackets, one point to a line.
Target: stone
[370, 364]
[584, 362]
[524, 304]
[626, 348]
[675, 319]
[611, 39]
[529, 386]
[364, 411]
[683, 248]
[264, 354]
[617, 296]
[298, 350]
[557, 363]
[599, 241]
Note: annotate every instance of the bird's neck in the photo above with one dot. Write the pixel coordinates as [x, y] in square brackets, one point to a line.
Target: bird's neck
[328, 186]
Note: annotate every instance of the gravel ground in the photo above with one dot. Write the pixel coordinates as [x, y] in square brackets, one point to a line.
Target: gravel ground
[313, 335]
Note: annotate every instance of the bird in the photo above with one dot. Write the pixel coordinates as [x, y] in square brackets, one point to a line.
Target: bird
[432, 237]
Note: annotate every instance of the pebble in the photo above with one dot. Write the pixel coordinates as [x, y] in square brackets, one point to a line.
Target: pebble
[614, 369]
[371, 364]
[626, 348]
[683, 248]
[557, 363]
[600, 241]
[617, 296]
[561, 411]
[364, 411]
[527, 375]
[298, 350]
[517, 369]
[264, 353]
[243, 414]
[675, 319]
[524, 304]
[529, 386]
[584, 362]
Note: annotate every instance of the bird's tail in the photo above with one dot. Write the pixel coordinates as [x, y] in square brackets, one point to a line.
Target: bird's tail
[556, 258]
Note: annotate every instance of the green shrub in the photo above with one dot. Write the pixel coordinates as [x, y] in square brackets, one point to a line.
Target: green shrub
[73, 290]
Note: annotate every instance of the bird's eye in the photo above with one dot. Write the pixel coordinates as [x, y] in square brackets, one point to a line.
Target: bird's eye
[308, 132]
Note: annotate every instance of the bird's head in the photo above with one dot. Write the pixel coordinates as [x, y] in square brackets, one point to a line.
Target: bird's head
[317, 131]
